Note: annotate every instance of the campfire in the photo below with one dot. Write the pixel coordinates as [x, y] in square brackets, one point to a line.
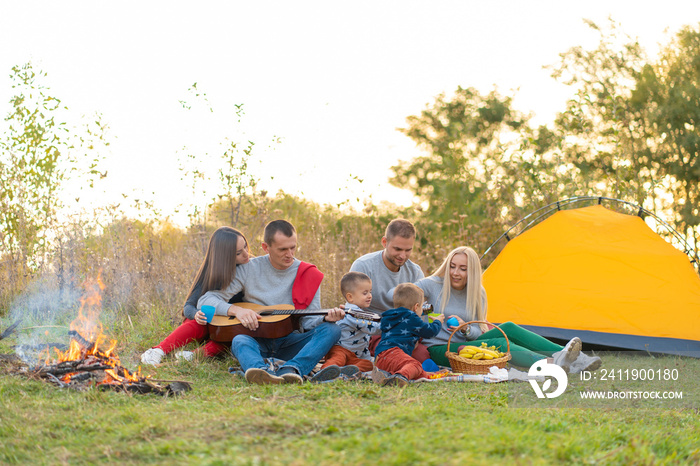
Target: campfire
[90, 359]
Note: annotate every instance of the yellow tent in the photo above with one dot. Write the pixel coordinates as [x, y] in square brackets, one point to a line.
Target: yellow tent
[600, 275]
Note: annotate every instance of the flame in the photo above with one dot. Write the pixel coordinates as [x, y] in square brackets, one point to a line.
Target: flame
[89, 342]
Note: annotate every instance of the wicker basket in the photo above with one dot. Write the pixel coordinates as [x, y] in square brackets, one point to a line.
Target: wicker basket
[475, 366]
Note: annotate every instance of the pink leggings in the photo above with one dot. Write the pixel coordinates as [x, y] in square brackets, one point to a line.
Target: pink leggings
[189, 331]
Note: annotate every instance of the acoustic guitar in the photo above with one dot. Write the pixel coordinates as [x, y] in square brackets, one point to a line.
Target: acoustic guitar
[277, 321]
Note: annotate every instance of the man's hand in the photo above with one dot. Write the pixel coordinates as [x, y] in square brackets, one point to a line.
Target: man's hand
[248, 317]
[334, 315]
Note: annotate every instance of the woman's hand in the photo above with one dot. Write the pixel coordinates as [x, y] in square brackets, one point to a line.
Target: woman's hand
[248, 317]
[200, 318]
[459, 319]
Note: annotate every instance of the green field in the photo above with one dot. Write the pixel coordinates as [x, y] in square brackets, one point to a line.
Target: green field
[223, 420]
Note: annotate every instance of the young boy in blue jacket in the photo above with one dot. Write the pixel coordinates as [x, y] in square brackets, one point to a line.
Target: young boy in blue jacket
[401, 328]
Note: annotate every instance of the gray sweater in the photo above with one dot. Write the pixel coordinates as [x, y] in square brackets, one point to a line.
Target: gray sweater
[262, 284]
[383, 279]
[457, 305]
[190, 308]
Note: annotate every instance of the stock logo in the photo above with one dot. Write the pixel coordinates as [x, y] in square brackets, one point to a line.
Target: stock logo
[549, 371]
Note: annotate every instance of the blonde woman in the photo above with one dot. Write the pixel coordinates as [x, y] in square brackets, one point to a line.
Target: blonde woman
[456, 291]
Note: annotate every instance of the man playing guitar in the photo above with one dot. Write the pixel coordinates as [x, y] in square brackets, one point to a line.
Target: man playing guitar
[273, 279]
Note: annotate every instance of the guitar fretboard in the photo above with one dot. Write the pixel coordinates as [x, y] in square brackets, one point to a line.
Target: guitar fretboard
[291, 312]
[318, 312]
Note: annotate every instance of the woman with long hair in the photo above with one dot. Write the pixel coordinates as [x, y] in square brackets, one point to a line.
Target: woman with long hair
[456, 290]
[227, 249]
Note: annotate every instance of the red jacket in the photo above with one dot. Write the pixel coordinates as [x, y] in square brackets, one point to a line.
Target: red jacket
[306, 284]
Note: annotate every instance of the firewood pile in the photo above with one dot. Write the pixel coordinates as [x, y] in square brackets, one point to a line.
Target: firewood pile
[86, 374]
[91, 372]
[89, 360]
[82, 365]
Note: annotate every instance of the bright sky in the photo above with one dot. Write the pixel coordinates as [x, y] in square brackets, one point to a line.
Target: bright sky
[332, 80]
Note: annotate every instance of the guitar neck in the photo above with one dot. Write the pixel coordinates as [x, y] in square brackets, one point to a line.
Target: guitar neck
[295, 312]
[318, 312]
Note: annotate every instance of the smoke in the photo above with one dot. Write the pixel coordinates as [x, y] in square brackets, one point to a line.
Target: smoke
[45, 310]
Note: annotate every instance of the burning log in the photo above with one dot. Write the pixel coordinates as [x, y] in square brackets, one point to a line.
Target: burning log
[83, 342]
[82, 377]
[69, 367]
[62, 368]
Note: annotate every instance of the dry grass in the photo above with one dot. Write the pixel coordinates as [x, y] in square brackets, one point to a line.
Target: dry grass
[147, 266]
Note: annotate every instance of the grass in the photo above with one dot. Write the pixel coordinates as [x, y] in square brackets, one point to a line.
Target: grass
[223, 420]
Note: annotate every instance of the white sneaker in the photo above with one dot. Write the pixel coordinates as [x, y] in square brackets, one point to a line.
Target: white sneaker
[585, 363]
[152, 356]
[186, 355]
[569, 354]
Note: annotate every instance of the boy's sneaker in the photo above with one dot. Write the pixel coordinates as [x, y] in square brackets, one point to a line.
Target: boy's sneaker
[396, 380]
[364, 376]
[289, 375]
[326, 374]
[350, 372]
[261, 377]
[186, 355]
[152, 356]
[379, 376]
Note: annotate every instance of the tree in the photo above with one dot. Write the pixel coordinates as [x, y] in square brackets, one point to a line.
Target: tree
[667, 93]
[38, 151]
[466, 138]
[603, 133]
[235, 199]
[237, 185]
[631, 128]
